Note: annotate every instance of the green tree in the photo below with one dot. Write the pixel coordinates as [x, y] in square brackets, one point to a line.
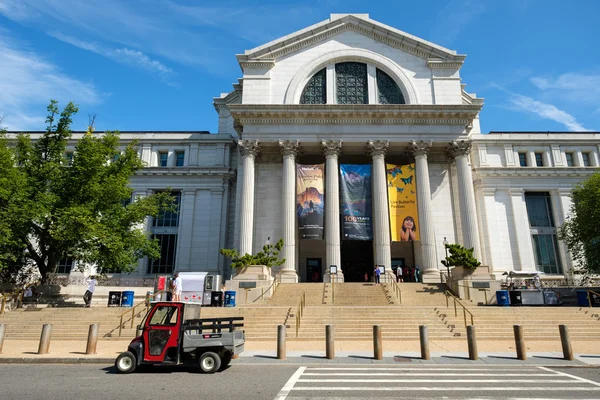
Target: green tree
[461, 257]
[581, 231]
[52, 208]
[269, 256]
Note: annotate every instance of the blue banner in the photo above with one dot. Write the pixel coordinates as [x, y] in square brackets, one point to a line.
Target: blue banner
[355, 199]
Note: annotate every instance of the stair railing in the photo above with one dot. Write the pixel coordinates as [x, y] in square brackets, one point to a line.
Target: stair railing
[17, 296]
[275, 285]
[300, 311]
[145, 303]
[465, 310]
[397, 291]
[589, 296]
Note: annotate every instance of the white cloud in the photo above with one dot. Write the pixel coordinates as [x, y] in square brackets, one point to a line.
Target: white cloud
[123, 55]
[28, 82]
[572, 87]
[546, 111]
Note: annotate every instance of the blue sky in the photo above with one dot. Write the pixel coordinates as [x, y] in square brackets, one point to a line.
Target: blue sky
[157, 64]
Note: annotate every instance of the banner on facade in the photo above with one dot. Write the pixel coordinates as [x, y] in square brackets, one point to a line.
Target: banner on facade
[355, 199]
[309, 200]
[402, 202]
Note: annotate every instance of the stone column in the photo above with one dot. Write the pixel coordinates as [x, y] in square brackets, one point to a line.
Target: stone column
[332, 149]
[381, 220]
[289, 150]
[459, 151]
[249, 149]
[429, 265]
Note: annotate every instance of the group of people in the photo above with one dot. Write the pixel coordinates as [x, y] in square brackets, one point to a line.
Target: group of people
[408, 274]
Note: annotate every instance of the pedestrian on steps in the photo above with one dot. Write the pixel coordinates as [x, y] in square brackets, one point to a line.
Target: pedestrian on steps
[87, 297]
[376, 274]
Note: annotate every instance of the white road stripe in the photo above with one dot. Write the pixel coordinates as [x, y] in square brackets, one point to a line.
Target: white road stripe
[440, 381]
[571, 376]
[478, 368]
[416, 374]
[289, 386]
[439, 389]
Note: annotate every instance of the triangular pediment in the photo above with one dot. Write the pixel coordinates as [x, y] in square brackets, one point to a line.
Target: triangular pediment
[338, 23]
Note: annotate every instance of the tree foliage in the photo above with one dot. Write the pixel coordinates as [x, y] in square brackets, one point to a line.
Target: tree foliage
[52, 209]
[269, 256]
[581, 231]
[461, 257]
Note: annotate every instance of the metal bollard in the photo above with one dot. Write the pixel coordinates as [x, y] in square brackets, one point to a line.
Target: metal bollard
[564, 341]
[472, 343]
[424, 338]
[44, 347]
[519, 342]
[2, 333]
[329, 343]
[377, 345]
[281, 349]
[92, 339]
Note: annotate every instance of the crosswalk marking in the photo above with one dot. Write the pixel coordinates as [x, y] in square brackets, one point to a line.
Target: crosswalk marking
[434, 379]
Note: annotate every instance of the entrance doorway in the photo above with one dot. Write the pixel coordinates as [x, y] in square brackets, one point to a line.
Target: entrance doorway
[314, 270]
[357, 259]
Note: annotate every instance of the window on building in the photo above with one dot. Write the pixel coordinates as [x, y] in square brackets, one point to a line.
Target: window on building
[351, 83]
[65, 266]
[179, 158]
[169, 218]
[69, 158]
[586, 159]
[163, 159]
[539, 160]
[388, 91]
[570, 159]
[165, 264]
[315, 91]
[523, 159]
[543, 232]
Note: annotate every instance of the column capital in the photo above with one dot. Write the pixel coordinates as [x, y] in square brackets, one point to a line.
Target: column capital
[289, 147]
[249, 147]
[331, 147]
[420, 148]
[377, 147]
[459, 148]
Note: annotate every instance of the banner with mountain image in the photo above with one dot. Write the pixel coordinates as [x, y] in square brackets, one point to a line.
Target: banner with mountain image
[402, 202]
[309, 200]
[355, 199]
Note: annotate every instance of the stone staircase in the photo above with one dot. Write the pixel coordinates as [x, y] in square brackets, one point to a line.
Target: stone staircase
[289, 294]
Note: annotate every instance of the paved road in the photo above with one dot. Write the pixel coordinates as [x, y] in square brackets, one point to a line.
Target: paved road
[316, 381]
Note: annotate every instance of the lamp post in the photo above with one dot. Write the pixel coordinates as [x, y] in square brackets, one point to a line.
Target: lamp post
[445, 243]
[268, 241]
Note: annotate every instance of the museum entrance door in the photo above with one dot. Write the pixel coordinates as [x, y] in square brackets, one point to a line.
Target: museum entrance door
[357, 259]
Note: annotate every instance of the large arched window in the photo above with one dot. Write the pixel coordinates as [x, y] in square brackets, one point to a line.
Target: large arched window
[315, 91]
[388, 91]
[351, 83]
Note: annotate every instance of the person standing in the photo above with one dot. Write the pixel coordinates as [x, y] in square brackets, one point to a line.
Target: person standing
[177, 287]
[87, 297]
[376, 274]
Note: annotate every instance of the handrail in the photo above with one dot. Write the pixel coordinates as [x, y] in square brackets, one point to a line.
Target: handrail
[275, 284]
[590, 297]
[146, 302]
[397, 291]
[6, 296]
[465, 310]
[300, 311]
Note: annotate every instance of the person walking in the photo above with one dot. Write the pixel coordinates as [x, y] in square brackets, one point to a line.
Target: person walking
[87, 297]
[376, 274]
[177, 287]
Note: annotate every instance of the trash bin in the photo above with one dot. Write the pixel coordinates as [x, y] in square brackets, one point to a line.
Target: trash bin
[582, 298]
[127, 298]
[216, 299]
[550, 299]
[502, 298]
[114, 299]
[515, 298]
[595, 299]
[229, 298]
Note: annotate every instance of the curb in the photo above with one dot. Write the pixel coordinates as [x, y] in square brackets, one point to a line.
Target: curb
[56, 360]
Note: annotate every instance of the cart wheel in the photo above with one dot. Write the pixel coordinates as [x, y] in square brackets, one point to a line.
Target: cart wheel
[125, 362]
[225, 360]
[210, 362]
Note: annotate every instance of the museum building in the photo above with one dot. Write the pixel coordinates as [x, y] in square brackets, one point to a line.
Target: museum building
[358, 145]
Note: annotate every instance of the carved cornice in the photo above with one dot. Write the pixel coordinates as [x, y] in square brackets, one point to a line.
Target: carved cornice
[289, 147]
[377, 147]
[438, 63]
[576, 174]
[304, 114]
[420, 148]
[264, 63]
[249, 148]
[459, 148]
[331, 147]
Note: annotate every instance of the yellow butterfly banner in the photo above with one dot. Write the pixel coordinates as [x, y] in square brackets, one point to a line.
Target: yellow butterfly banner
[402, 202]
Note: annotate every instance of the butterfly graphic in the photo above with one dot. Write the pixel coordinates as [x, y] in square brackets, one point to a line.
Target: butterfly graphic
[411, 168]
[395, 171]
[407, 181]
[407, 197]
[400, 189]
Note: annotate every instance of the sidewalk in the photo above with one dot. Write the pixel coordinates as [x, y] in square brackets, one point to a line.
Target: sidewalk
[448, 351]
